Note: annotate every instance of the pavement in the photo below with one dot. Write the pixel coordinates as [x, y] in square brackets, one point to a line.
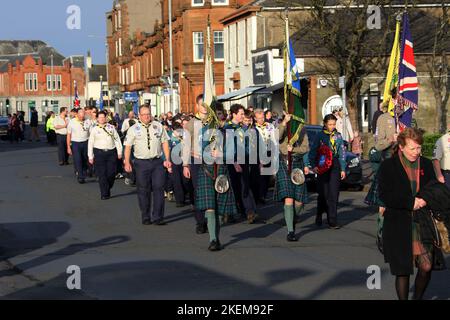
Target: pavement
[49, 222]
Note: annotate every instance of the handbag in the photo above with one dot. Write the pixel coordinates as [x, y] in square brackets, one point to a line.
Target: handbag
[442, 235]
[380, 221]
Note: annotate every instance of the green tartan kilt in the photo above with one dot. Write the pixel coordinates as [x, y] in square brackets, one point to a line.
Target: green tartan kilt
[284, 188]
[206, 196]
[372, 197]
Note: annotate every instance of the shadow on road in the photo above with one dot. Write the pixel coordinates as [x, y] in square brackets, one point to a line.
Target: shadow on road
[162, 279]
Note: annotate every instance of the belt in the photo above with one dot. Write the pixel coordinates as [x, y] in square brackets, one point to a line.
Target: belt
[104, 150]
[149, 159]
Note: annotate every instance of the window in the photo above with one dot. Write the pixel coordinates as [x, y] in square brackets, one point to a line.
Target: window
[119, 14]
[151, 64]
[197, 3]
[35, 82]
[236, 32]
[59, 81]
[123, 76]
[229, 45]
[162, 61]
[31, 83]
[120, 47]
[132, 74]
[219, 2]
[198, 46]
[117, 48]
[116, 24]
[218, 45]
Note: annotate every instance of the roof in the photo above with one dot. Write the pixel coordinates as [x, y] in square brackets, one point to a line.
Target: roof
[305, 3]
[13, 50]
[76, 61]
[96, 71]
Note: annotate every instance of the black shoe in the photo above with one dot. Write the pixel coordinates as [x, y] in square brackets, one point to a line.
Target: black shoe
[318, 220]
[106, 197]
[180, 204]
[291, 237]
[160, 223]
[334, 226]
[215, 246]
[147, 222]
[81, 181]
[201, 228]
[61, 164]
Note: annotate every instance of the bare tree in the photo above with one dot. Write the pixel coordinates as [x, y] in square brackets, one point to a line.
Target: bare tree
[439, 69]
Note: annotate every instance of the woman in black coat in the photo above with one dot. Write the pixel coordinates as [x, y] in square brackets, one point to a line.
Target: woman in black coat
[400, 179]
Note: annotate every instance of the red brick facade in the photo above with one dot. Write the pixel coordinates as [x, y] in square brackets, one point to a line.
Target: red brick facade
[148, 59]
[14, 80]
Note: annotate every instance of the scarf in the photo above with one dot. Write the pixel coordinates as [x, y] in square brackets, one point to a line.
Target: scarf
[412, 170]
[332, 139]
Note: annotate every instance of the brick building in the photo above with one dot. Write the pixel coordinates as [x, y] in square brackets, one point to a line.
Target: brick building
[26, 77]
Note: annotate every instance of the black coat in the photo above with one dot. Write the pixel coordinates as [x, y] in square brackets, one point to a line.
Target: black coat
[395, 192]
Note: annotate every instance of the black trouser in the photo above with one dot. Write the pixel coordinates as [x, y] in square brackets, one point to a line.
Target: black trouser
[328, 190]
[63, 156]
[446, 174]
[181, 185]
[150, 176]
[80, 158]
[105, 168]
[240, 182]
[194, 168]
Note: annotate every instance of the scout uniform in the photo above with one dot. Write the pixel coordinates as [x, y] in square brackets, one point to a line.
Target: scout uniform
[284, 187]
[206, 198]
[61, 139]
[147, 142]
[328, 182]
[104, 146]
[441, 152]
[79, 131]
[240, 181]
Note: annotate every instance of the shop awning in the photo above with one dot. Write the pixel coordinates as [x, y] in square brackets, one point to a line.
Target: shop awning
[239, 94]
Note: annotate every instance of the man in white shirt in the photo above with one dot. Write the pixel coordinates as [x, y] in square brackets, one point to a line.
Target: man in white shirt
[77, 144]
[129, 122]
[60, 123]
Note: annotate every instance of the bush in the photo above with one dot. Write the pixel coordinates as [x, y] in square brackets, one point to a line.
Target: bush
[429, 140]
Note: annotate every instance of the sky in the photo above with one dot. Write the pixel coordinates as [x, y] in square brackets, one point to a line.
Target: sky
[46, 20]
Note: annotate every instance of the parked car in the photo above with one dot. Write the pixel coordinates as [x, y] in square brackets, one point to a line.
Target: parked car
[3, 127]
[353, 170]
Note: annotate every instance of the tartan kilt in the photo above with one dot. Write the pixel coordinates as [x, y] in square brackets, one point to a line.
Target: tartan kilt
[372, 197]
[284, 188]
[206, 196]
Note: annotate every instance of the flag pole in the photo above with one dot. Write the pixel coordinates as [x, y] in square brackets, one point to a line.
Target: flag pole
[287, 93]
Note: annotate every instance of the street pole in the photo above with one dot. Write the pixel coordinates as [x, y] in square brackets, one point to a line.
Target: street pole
[52, 80]
[172, 98]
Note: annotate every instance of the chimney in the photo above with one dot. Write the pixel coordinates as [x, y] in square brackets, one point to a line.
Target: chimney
[89, 60]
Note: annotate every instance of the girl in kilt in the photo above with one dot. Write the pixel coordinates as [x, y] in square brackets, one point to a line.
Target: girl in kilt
[285, 190]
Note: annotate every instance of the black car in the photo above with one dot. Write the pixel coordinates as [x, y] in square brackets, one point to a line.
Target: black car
[3, 127]
[353, 170]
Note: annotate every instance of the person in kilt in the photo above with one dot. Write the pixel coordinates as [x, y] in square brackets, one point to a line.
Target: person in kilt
[205, 152]
[294, 196]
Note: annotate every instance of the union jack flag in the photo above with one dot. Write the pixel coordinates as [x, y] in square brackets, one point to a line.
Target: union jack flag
[76, 103]
[408, 86]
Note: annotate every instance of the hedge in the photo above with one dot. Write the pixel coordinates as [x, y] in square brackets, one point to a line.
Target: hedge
[429, 140]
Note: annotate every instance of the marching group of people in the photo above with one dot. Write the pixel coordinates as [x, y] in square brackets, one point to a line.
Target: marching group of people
[224, 187]
[141, 149]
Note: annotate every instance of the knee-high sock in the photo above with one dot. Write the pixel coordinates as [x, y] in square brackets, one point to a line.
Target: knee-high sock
[289, 217]
[298, 209]
[212, 224]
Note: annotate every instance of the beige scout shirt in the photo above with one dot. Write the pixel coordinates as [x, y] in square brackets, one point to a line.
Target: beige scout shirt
[441, 151]
[147, 140]
[301, 149]
[79, 130]
[105, 138]
[58, 121]
[385, 131]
